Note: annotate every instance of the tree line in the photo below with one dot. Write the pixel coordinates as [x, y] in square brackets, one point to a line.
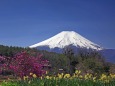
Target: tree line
[68, 61]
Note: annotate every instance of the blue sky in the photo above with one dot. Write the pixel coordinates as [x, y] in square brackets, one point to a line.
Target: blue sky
[26, 22]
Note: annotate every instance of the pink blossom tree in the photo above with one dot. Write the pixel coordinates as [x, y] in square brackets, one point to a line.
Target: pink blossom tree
[24, 63]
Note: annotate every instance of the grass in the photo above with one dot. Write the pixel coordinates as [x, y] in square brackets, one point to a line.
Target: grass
[58, 82]
[63, 80]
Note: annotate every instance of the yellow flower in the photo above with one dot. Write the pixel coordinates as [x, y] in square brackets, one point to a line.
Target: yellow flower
[41, 77]
[29, 82]
[86, 77]
[90, 76]
[60, 76]
[34, 76]
[103, 77]
[80, 76]
[71, 78]
[46, 72]
[31, 74]
[51, 77]
[74, 75]
[77, 72]
[47, 77]
[112, 76]
[67, 76]
[25, 77]
[94, 79]
[54, 78]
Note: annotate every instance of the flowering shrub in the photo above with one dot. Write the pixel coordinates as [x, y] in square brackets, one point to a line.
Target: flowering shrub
[24, 63]
[1, 59]
[3, 66]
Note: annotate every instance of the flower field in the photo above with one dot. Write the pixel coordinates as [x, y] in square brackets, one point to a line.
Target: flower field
[77, 79]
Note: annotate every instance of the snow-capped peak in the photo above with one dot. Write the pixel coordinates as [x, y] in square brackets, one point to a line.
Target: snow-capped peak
[66, 38]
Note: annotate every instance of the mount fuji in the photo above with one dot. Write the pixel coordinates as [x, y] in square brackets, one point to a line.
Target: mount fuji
[76, 42]
[64, 39]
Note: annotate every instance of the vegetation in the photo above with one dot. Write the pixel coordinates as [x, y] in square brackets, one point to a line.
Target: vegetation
[77, 79]
[31, 67]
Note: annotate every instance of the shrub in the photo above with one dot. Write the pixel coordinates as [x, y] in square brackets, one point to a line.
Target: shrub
[24, 63]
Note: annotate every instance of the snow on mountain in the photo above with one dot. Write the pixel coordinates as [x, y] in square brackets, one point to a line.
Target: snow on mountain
[66, 38]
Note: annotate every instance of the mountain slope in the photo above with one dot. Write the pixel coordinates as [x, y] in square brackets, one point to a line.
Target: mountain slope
[66, 38]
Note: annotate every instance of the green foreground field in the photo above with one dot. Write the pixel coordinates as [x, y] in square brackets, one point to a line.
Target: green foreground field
[61, 80]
